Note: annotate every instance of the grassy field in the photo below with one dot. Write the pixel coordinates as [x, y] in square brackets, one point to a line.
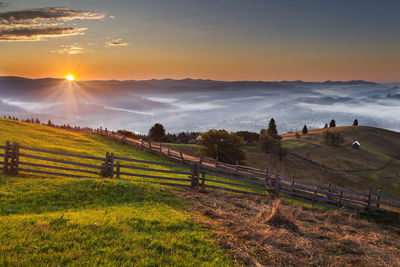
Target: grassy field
[61, 221]
[55, 221]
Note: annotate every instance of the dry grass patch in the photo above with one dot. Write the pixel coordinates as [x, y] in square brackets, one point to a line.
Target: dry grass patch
[261, 232]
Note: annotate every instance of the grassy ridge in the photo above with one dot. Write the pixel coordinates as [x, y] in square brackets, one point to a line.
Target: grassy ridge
[39, 136]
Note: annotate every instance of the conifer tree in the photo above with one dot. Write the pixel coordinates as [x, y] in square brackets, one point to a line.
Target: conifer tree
[332, 123]
[305, 129]
[272, 131]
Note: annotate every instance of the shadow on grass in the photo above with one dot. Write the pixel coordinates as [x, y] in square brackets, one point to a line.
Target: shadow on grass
[36, 198]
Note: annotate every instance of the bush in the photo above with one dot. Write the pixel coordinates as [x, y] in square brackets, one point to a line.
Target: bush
[273, 146]
[223, 145]
[297, 135]
[333, 138]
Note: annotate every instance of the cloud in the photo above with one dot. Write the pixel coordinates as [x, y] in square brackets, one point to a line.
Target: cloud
[116, 42]
[2, 4]
[37, 34]
[70, 49]
[35, 24]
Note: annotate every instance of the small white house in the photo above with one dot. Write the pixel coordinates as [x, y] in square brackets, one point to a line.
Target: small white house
[356, 145]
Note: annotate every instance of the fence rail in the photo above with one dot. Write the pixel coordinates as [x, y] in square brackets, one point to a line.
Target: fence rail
[192, 174]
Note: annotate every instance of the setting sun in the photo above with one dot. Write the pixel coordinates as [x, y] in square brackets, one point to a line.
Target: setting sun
[70, 77]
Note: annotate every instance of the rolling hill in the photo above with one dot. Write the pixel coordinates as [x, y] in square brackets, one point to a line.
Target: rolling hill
[375, 165]
[64, 221]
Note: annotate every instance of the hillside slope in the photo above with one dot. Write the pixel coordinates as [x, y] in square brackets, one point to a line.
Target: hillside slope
[53, 221]
[375, 165]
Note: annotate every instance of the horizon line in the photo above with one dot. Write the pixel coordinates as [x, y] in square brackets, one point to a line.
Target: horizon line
[199, 79]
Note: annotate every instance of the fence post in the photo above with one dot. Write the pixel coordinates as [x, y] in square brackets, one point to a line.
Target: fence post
[169, 153]
[105, 166]
[193, 171]
[340, 199]
[198, 175]
[6, 150]
[17, 159]
[267, 182]
[203, 177]
[369, 200]
[118, 167]
[111, 166]
[277, 186]
[160, 148]
[183, 160]
[315, 195]
[378, 204]
[14, 162]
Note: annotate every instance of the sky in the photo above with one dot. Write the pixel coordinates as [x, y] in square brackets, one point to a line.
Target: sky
[310, 40]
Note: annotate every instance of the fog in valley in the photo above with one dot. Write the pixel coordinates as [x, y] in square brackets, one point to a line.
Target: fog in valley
[199, 105]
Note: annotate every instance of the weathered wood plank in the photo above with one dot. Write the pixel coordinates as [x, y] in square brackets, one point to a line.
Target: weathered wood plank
[154, 177]
[233, 190]
[152, 162]
[237, 178]
[235, 184]
[60, 161]
[57, 167]
[55, 173]
[153, 170]
[61, 153]
[230, 171]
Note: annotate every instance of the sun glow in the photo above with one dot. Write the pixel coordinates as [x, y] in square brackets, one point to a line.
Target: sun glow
[70, 78]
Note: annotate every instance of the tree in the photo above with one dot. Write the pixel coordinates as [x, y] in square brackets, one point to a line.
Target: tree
[355, 123]
[333, 138]
[305, 129]
[332, 123]
[272, 131]
[326, 126]
[49, 123]
[157, 132]
[273, 146]
[223, 145]
[250, 138]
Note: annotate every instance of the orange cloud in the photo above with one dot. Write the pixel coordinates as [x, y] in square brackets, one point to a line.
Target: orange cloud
[38, 24]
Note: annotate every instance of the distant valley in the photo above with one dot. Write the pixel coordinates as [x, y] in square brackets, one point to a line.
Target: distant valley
[198, 105]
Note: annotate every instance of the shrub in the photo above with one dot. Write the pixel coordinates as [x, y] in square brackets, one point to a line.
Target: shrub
[273, 146]
[223, 145]
[332, 124]
[333, 138]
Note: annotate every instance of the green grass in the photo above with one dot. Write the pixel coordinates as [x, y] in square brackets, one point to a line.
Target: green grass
[98, 222]
[293, 146]
[63, 221]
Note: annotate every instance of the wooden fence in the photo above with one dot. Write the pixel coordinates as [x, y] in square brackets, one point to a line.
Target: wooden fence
[200, 175]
